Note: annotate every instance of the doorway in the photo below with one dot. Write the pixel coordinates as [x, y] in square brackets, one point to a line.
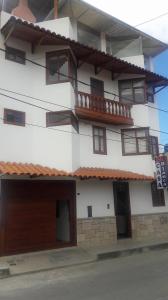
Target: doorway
[122, 209]
[62, 221]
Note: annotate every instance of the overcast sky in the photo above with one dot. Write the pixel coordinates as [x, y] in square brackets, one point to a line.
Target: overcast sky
[134, 12]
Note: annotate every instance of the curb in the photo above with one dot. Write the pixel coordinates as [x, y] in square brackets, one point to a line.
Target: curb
[10, 275]
[131, 251]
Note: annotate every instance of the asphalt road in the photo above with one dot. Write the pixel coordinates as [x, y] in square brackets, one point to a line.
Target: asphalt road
[138, 277]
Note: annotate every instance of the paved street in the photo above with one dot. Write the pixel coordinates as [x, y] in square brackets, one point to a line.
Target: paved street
[140, 277]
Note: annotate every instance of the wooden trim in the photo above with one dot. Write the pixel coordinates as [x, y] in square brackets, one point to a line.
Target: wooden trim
[146, 129]
[104, 152]
[70, 60]
[16, 53]
[133, 90]
[23, 117]
[68, 119]
[55, 9]
[129, 221]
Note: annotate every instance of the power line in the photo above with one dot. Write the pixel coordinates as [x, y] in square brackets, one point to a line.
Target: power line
[152, 19]
[69, 77]
[39, 107]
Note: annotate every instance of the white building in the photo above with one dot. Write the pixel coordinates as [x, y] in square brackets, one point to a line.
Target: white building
[79, 128]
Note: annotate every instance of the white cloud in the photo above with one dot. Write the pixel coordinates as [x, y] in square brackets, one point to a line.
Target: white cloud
[135, 12]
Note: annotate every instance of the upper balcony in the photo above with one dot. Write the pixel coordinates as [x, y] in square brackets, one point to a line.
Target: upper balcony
[96, 108]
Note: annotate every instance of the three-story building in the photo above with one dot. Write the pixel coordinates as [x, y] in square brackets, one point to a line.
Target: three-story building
[79, 128]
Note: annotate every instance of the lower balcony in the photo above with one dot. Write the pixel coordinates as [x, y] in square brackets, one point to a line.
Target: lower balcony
[96, 108]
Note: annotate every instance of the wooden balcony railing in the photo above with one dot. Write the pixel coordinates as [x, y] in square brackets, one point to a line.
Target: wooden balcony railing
[97, 108]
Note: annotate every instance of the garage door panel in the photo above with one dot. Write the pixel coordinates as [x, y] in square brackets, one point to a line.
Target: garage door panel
[30, 214]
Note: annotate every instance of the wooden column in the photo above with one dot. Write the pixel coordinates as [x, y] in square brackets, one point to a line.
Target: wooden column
[56, 9]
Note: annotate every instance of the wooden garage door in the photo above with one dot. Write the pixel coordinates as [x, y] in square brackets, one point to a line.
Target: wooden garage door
[30, 214]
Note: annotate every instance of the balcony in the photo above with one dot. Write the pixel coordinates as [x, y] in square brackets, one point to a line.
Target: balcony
[95, 108]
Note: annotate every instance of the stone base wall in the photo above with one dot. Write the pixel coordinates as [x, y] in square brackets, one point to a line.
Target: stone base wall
[151, 226]
[96, 231]
[102, 231]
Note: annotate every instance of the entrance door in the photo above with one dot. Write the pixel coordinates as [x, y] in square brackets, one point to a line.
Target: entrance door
[122, 209]
[62, 221]
[97, 91]
[97, 87]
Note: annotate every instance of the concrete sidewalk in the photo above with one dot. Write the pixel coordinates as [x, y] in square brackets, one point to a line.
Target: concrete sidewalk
[48, 260]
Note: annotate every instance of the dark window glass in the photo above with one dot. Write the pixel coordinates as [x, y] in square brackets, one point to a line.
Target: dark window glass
[99, 140]
[65, 117]
[15, 55]
[158, 198]
[154, 146]
[132, 91]
[89, 209]
[14, 117]
[150, 94]
[60, 67]
[135, 141]
[97, 87]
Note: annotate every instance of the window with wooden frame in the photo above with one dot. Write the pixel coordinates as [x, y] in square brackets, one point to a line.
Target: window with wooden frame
[15, 55]
[132, 91]
[154, 146]
[99, 140]
[150, 92]
[60, 67]
[158, 197]
[135, 141]
[63, 117]
[14, 117]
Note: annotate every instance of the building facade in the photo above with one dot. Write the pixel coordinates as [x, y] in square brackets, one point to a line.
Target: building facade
[79, 129]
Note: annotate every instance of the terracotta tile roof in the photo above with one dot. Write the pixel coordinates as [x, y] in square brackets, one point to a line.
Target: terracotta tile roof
[9, 168]
[110, 174]
[31, 32]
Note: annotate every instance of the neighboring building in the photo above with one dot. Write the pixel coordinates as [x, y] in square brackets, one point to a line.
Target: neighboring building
[74, 90]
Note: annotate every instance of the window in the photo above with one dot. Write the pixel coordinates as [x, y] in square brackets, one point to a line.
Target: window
[89, 210]
[14, 117]
[135, 141]
[63, 117]
[60, 67]
[97, 87]
[158, 198]
[150, 94]
[99, 140]
[15, 55]
[154, 146]
[132, 91]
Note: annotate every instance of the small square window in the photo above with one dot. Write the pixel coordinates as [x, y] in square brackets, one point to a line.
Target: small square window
[63, 117]
[15, 55]
[14, 117]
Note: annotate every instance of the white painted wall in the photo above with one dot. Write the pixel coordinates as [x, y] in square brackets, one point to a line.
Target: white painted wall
[137, 60]
[4, 17]
[97, 194]
[48, 147]
[114, 159]
[141, 199]
[60, 26]
[100, 193]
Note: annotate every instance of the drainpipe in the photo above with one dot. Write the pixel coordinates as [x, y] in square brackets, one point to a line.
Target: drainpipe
[23, 11]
